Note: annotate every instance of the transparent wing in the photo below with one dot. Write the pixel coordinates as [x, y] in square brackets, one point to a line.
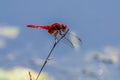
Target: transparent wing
[72, 39]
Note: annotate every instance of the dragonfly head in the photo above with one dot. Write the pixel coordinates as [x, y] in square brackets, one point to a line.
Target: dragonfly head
[64, 27]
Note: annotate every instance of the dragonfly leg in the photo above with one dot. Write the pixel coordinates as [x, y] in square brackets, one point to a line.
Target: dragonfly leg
[60, 32]
[55, 35]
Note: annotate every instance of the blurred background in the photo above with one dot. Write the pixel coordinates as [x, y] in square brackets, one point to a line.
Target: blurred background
[22, 49]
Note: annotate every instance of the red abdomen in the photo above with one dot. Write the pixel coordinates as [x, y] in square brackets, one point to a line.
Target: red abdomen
[36, 26]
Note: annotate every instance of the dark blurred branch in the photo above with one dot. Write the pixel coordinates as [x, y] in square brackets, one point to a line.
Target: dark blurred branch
[30, 76]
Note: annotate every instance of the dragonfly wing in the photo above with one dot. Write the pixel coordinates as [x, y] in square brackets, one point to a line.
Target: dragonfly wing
[72, 39]
[76, 41]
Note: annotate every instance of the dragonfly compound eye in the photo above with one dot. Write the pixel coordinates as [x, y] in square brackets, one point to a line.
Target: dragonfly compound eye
[64, 27]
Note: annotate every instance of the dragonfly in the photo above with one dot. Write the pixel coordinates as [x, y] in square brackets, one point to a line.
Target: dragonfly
[59, 29]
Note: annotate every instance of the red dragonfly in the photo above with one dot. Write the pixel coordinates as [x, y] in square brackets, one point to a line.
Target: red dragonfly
[52, 29]
[57, 28]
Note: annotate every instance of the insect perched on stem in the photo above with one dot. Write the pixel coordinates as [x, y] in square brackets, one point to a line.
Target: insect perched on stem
[54, 29]
[64, 33]
[57, 28]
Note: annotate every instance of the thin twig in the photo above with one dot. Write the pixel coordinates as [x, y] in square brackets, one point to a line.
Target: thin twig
[30, 76]
[50, 54]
